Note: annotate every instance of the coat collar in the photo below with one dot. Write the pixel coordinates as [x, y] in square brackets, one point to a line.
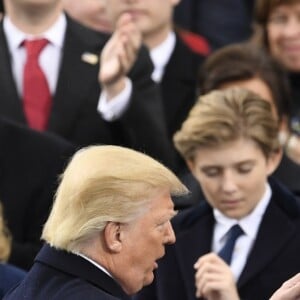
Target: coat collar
[194, 242]
[77, 266]
[77, 78]
[276, 230]
[9, 99]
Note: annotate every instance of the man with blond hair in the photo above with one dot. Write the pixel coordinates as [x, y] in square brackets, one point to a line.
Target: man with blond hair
[108, 226]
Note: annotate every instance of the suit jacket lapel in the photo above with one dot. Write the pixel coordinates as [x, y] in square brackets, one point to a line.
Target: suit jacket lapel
[188, 255]
[275, 232]
[11, 104]
[178, 84]
[76, 78]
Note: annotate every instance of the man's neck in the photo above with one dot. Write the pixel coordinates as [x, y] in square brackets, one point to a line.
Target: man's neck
[154, 39]
[36, 20]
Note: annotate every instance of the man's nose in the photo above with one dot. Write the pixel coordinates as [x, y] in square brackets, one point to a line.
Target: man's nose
[170, 235]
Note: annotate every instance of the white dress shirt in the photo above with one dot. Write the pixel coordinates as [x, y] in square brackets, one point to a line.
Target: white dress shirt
[250, 225]
[160, 56]
[50, 59]
[115, 107]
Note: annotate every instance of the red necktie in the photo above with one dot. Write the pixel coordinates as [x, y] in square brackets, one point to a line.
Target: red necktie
[36, 93]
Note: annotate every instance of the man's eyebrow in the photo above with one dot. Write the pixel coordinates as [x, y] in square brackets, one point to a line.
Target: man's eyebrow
[171, 215]
[205, 167]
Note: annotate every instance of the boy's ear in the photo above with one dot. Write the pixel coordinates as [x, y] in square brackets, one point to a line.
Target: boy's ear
[273, 161]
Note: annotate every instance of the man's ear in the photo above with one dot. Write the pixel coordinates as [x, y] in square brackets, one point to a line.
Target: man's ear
[112, 236]
[273, 161]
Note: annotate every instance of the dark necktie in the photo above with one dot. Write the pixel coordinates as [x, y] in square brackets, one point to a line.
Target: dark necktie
[226, 252]
[36, 93]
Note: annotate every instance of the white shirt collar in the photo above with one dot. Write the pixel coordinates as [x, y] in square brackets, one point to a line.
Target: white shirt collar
[250, 223]
[55, 34]
[161, 54]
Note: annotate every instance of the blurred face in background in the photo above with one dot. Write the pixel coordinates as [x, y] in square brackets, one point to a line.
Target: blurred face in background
[153, 18]
[91, 13]
[33, 16]
[283, 31]
[30, 5]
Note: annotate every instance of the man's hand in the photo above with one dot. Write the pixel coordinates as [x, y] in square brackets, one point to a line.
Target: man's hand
[119, 55]
[214, 279]
[290, 290]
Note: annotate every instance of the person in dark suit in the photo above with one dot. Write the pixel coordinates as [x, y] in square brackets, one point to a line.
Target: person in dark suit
[109, 224]
[30, 165]
[76, 81]
[175, 64]
[10, 276]
[230, 142]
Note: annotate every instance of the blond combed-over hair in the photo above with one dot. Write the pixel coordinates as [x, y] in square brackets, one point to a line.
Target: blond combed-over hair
[225, 116]
[104, 184]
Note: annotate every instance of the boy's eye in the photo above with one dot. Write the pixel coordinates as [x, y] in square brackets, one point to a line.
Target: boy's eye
[245, 168]
[211, 172]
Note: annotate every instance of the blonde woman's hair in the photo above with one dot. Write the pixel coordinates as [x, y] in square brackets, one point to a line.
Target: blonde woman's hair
[225, 116]
[103, 184]
[5, 238]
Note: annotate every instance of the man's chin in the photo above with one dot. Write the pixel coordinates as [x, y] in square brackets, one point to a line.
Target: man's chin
[149, 279]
